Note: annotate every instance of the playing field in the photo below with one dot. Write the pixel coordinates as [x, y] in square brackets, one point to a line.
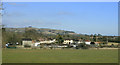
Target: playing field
[59, 56]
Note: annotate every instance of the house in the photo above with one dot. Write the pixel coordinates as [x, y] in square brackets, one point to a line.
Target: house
[80, 42]
[113, 44]
[48, 41]
[41, 39]
[98, 42]
[87, 42]
[75, 40]
[36, 44]
[68, 41]
[27, 41]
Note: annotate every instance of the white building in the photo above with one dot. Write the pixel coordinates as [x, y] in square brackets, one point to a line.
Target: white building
[88, 43]
[68, 41]
[48, 41]
[36, 44]
[27, 42]
[80, 42]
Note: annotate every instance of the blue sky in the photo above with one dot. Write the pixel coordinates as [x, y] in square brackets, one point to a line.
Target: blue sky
[80, 17]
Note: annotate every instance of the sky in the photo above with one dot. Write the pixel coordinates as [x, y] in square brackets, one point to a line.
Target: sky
[80, 17]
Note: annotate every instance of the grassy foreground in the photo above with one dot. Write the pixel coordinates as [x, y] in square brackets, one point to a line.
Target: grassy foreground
[59, 56]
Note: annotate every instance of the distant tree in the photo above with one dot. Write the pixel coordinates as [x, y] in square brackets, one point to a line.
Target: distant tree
[105, 39]
[59, 39]
[91, 37]
[118, 38]
[30, 27]
[83, 46]
[95, 37]
[99, 35]
[99, 38]
[31, 33]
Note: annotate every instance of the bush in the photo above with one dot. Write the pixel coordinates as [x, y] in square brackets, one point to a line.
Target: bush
[83, 46]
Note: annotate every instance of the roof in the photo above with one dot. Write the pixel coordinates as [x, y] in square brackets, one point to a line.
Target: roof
[87, 40]
[98, 42]
[75, 40]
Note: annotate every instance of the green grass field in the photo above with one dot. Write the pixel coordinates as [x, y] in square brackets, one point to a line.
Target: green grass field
[59, 56]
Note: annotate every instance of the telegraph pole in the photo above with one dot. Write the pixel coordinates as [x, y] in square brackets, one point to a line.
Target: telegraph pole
[1, 8]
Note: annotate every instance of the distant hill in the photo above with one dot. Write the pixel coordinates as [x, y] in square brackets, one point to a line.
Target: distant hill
[41, 30]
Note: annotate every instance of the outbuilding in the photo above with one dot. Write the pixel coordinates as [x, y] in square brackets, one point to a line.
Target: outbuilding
[27, 42]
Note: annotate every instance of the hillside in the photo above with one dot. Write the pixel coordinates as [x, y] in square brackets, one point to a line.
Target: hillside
[40, 30]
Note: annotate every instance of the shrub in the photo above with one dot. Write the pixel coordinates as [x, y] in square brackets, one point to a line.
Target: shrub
[83, 46]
